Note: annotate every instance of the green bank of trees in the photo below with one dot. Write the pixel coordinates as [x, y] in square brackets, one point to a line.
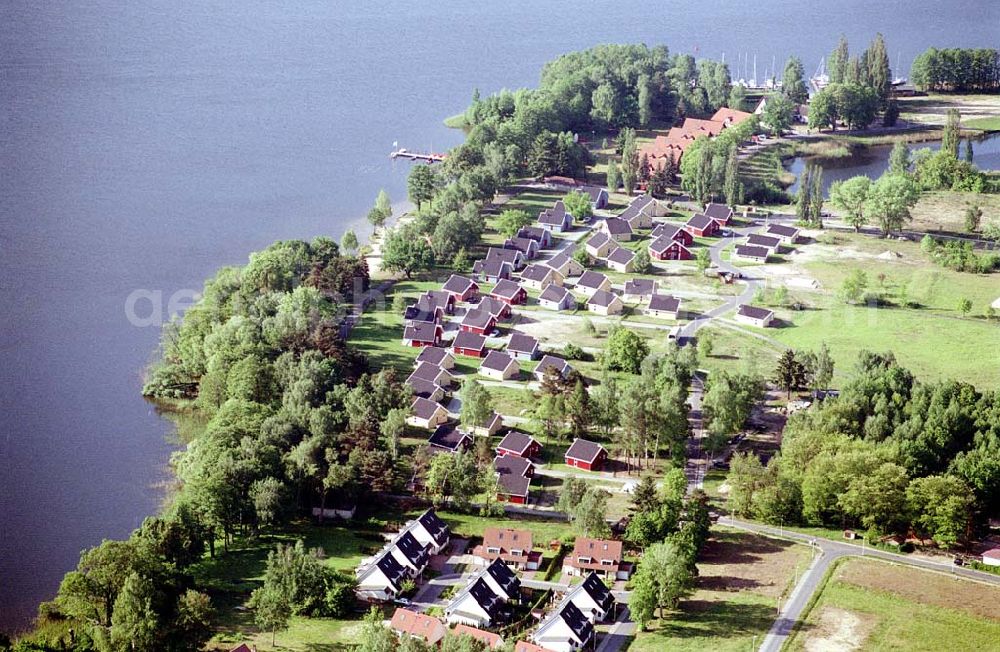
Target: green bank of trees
[890, 455]
[961, 70]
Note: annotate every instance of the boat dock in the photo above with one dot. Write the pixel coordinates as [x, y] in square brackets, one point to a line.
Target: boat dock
[417, 156]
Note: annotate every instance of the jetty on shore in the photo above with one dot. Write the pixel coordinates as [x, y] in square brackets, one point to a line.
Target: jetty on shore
[417, 156]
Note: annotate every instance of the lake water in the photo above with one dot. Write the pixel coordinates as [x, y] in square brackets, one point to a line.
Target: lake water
[144, 144]
[873, 161]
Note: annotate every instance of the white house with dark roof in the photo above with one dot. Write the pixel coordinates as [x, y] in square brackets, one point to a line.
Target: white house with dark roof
[514, 257]
[599, 244]
[598, 196]
[556, 297]
[603, 302]
[636, 219]
[664, 305]
[477, 605]
[492, 270]
[565, 630]
[591, 281]
[787, 234]
[637, 289]
[754, 316]
[500, 365]
[426, 414]
[425, 389]
[437, 356]
[410, 553]
[617, 229]
[769, 242]
[556, 219]
[429, 529]
[593, 598]
[537, 276]
[751, 253]
[526, 246]
[522, 346]
[622, 260]
[565, 264]
[380, 580]
[560, 365]
[490, 426]
[542, 236]
[648, 205]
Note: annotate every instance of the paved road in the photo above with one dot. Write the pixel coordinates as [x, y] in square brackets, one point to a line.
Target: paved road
[620, 633]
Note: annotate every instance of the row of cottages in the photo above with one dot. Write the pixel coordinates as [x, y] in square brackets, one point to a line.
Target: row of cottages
[710, 222]
[429, 381]
[381, 578]
[513, 478]
[556, 219]
[601, 556]
[430, 630]
[593, 598]
[788, 235]
[586, 455]
[512, 547]
[672, 146]
[540, 235]
[598, 196]
[484, 602]
[754, 316]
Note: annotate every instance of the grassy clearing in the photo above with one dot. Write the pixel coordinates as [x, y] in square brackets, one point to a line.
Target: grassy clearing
[944, 211]
[932, 109]
[878, 606]
[741, 578]
[986, 124]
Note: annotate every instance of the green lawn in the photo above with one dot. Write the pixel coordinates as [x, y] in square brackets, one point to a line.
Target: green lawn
[986, 124]
[887, 618]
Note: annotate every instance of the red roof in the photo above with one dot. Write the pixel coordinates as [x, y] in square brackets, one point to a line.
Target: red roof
[418, 625]
[492, 640]
[993, 553]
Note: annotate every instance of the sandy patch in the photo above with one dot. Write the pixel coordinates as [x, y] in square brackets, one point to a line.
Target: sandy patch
[924, 587]
[837, 630]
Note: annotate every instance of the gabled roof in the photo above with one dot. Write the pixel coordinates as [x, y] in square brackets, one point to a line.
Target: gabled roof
[598, 591]
[536, 273]
[782, 230]
[448, 437]
[640, 286]
[597, 549]
[584, 450]
[417, 312]
[429, 372]
[508, 255]
[479, 318]
[524, 245]
[669, 231]
[570, 614]
[491, 640]
[471, 341]
[490, 421]
[433, 355]
[521, 343]
[507, 538]
[554, 293]
[641, 202]
[664, 302]
[459, 284]
[504, 576]
[753, 312]
[663, 243]
[558, 364]
[591, 280]
[535, 233]
[595, 192]
[560, 260]
[700, 222]
[621, 255]
[437, 528]
[526, 646]
[512, 474]
[516, 442]
[617, 226]
[506, 289]
[758, 240]
[422, 331]
[436, 299]
[554, 215]
[484, 596]
[751, 251]
[491, 267]
[391, 568]
[416, 552]
[424, 408]
[733, 116]
[498, 361]
[718, 211]
[418, 625]
[598, 240]
[424, 388]
[602, 298]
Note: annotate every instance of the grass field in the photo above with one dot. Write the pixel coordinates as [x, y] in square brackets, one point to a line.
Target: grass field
[944, 210]
[869, 605]
[741, 578]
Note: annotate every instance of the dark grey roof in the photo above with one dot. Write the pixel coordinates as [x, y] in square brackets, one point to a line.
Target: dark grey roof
[427, 371]
[718, 211]
[508, 255]
[553, 292]
[497, 360]
[663, 243]
[423, 388]
[617, 226]
[479, 318]
[559, 364]
[536, 273]
[458, 284]
[559, 260]
[424, 408]
[754, 312]
[577, 622]
[641, 202]
[392, 569]
[506, 288]
[598, 239]
[491, 267]
[432, 354]
[492, 306]
[782, 230]
[436, 299]
[666, 230]
[449, 437]
[598, 591]
[512, 474]
[640, 286]
[504, 577]
[699, 221]
[602, 298]
[621, 255]
[437, 528]
[417, 313]
[421, 331]
[467, 340]
[591, 280]
[664, 302]
[535, 233]
[416, 552]
[516, 441]
[595, 192]
[554, 215]
[751, 251]
[758, 240]
[585, 450]
[524, 245]
[521, 343]
[484, 596]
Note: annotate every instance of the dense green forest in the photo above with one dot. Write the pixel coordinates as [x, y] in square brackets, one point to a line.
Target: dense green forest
[961, 70]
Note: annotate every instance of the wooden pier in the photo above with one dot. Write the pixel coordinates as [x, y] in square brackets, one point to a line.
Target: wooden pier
[417, 156]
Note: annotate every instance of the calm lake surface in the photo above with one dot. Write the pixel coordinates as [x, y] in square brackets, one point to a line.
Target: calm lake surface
[145, 144]
[873, 161]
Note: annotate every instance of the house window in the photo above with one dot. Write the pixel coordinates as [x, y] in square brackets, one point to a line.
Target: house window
[493, 551]
[517, 552]
[607, 562]
[583, 560]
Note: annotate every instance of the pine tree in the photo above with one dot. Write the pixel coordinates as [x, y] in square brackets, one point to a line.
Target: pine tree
[614, 177]
[879, 73]
[578, 409]
[950, 137]
[789, 373]
[839, 58]
[804, 195]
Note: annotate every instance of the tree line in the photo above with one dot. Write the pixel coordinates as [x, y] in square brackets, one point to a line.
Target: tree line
[961, 70]
[860, 88]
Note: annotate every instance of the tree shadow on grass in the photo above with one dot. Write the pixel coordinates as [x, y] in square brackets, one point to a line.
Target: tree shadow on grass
[740, 549]
[715, 619]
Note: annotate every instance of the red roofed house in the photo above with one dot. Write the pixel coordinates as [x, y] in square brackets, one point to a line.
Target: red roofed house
[514, 547]
[519, 444]
[492, 641]
[525, 646]
[586, 455]
[428, 629]
[603, 556]
[730, 117]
